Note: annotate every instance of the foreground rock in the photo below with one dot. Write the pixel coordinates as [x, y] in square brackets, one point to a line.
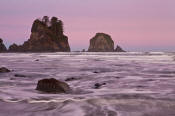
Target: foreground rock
[119, 49]
[2, 46]
[101, 43]
[52, 86]
[46, 36]
[4, 70]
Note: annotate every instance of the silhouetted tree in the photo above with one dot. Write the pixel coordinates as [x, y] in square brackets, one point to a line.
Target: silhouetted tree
[54, 25]
[57, 26]
[54, 20]
[35, 25]
[60, 25]
[45, 20]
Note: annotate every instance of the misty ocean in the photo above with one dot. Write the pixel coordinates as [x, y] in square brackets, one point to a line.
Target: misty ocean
[134, 84]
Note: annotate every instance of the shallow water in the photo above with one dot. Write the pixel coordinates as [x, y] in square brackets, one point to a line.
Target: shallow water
[137, 84]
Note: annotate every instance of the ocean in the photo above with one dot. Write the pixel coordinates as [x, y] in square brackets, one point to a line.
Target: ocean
[133, 84]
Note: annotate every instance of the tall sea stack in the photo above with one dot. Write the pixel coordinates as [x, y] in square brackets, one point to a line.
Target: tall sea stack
[2, 46]
[46, 36]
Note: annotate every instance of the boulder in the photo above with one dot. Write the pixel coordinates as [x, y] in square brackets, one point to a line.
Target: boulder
[2, 46]
[119, 49]
[46, 36]
[52, 86]
[4, 70]
[101, 43]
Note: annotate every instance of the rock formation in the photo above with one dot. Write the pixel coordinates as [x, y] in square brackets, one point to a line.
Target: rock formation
[46, 36]
[101, 43]
[52, 86]
[119, 49]
[2, 46]
[4, 70]
[15, 48]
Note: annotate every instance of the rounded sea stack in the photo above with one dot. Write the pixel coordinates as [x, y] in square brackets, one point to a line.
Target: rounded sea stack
[101, 43]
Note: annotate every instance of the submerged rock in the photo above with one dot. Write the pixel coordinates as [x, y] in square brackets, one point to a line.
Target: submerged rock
[98, 85]
[83, 50]
[52, 86]
[71, 79]
[46, 36]
[2, 46]
[37, 60]
[101, 43]
[119, 49]
[19, 75]
[4, 70]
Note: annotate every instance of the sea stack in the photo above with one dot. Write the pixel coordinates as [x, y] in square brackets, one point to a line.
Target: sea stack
[101, 43]
[2, 46]
[46, 36]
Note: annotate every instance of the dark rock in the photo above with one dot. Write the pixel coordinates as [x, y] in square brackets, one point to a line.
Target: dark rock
[19, 75]
[52, 86]
[98, 85]
[12, 79]
[4, 70]
[119, 49]
[101, 43]
[149, 80]
[15, 48]
[118, 77]
[71, 79]
[83, 50]
[2, 46]
[95, 72]
[37, 60]
[140, 86]
[46, 36]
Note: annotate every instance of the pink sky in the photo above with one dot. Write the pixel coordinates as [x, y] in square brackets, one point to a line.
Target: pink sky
[136, 25]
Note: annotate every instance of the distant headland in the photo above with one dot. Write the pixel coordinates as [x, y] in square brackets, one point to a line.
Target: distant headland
[47, 35]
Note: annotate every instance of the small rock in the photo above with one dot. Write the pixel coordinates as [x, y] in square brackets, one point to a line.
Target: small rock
[140, 86]
[95, 72]
[118, 77]
[4, 70]
[119, 49]
[83, 50]
[37, 60]
[12, 78]
[150, 80]
[19, 75]
[52, 86]
[98, 85]
[70, 79]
